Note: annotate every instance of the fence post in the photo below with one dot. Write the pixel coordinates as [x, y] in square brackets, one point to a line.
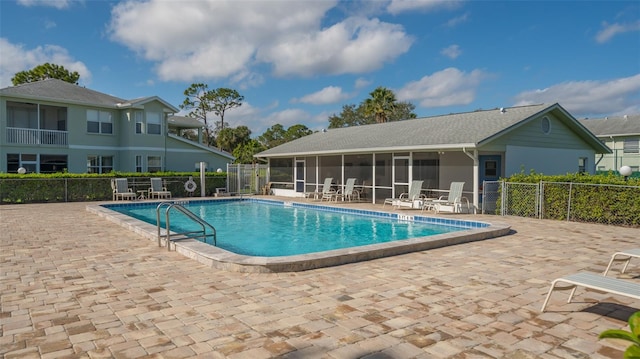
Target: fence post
[569, 201]
[540, 199]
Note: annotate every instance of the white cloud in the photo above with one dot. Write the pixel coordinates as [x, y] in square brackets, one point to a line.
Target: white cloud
[610, 30]
[200, 40]
[581, 98]
[16, 58]
[457, 20]
[443, 88]
[356, 45]
[327, 95]
[400, 6]
[58, 4]
[361, 83]
[452, 51]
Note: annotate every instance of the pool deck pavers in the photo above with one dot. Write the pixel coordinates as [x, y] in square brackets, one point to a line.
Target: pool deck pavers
[73, 285]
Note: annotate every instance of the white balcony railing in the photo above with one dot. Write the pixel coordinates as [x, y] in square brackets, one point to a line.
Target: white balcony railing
[31, 136]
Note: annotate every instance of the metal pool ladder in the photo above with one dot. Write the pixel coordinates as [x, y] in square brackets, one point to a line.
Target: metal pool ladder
[201, 234]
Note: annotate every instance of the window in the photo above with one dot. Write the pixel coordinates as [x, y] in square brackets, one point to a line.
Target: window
[138, 163]
[99, 122]
[99, 164]
[153, 123]
[631, 145]
[545, 123]
[582, 165]
[139, 124]
[154, 164]
[22, 115]
[53, 163]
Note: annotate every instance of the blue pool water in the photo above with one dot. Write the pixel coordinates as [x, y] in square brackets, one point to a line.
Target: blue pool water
[271, 229]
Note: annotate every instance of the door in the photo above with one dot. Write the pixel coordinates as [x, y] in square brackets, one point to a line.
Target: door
[300, 176]
[490, 170]
[400, 175]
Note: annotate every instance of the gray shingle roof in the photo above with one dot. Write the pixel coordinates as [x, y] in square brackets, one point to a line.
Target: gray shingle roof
[614, 126]
[61, 91]
[469, 129]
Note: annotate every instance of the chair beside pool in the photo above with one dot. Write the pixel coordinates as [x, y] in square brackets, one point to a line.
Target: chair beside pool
[121, 189]
[157, 190]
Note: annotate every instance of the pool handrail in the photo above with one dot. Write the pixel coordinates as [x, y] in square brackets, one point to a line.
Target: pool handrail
[200, 234]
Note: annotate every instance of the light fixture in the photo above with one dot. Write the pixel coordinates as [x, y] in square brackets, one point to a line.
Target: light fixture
[625, 171]
[22, 170]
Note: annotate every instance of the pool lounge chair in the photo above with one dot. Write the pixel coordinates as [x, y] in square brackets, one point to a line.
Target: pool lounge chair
[410, 199]
[626, 256]
[121, 189]
[593, 281]
[349, 193]
[453, 202]
[157, 190]
[328, 192]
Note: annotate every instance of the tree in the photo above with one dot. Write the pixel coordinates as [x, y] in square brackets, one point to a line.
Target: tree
[277, 135]
[273, 136]
[376, 109]
[223, 99]
[198, 101]
[244, 153]
[230, 138]
[381, 104]
[43, 72]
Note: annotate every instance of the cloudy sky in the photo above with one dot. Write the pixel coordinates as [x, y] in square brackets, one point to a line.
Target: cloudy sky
[298, 62]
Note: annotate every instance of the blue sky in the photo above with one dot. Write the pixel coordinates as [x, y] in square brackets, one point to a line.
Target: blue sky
[298, 62]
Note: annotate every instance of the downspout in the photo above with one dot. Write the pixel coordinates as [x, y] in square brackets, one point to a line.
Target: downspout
[476, 175]
[615, 153]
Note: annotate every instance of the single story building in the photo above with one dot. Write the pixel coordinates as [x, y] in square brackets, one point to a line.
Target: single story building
[472, 147]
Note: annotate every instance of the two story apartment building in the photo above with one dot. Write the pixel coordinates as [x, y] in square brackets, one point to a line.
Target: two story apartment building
[622, 135]
[54, 126]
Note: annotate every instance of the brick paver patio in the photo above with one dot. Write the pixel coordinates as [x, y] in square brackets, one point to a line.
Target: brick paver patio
[74, 285]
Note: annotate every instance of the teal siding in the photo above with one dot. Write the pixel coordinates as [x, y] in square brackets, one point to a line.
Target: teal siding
[531, 135]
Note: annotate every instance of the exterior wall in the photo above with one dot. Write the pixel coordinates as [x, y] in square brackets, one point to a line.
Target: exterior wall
[549, 161]
[456, 167]
[617, 159]
[532, 135]
[124, 144]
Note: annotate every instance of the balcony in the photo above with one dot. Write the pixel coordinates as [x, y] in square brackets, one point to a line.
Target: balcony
[32, 136]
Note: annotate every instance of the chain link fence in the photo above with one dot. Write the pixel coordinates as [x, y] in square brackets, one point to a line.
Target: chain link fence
[577, 202]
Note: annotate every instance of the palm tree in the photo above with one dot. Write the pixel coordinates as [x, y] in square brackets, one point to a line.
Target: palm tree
[381, 104]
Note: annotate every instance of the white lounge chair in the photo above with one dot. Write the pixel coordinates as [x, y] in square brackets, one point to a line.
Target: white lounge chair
[121, 189]
[626, 258]
[349, 193]
[453, 202]
[596, 282]
[328, 193]
[407, 199]
[157, 190]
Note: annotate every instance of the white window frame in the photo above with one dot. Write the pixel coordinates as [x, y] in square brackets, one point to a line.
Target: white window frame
[154, 123]
[98, 164]
[103, 120]
[139, 121]
[151, 164]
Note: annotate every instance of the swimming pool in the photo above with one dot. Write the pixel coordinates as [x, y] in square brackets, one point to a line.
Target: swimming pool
[275, 236]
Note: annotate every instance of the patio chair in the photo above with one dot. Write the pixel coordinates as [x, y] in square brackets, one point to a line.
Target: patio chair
[593, 281]
[623, 256]
[453, 202]
[407, 199]
[157, 190]
[328, 192]
[121, 189]
[349, 193]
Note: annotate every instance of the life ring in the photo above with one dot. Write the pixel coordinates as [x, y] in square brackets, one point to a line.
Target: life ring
[190, 186]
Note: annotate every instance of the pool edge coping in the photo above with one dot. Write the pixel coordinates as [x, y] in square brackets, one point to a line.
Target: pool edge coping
[218, 258]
